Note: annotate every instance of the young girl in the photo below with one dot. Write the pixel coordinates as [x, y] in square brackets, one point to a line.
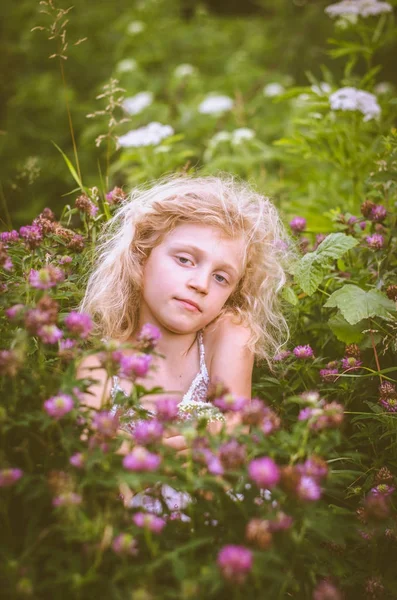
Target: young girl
[201, 258]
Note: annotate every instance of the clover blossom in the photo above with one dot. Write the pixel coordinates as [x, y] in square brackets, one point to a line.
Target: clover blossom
[86, 206]
[9, 476]
[79, 323]
[298, 224]
[150, 135]
[350, 99]
[135, 365]
[215, 105]
[382, 489]
[49, 334]
[116, 196]
[303, 352]
[325, 590]
[141, 459]
[124, 544]
[232, 454]
[231, 402]
[105, 423]
[58, 406]
[351, 363]
[258, 532]
[148, 432]
[46, 278]
[149, 521]
[280, 356]
[32, 235]
[314, 467]
[308, 489]
[389, 403]
[167, 408]
[264, 472]
[378, 213]
[235, 562]
[136, 104]
[9, 236]
[375, 241]
[148, 336]
[77, 460]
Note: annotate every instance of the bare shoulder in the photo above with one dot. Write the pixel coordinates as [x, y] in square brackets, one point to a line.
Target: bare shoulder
[90, 368]
[228, 355]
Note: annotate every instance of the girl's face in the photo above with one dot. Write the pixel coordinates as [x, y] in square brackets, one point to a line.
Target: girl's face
[189, 276]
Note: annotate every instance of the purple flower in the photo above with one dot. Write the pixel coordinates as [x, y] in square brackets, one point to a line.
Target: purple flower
[124, 544]
[58, 406]
[212, 461]
[77, 460]
[65, 260]
[14, 312]
[280, 356]
[383, 489]
[105, 423]
[329, 374]
[235, 562]
[232, 454]
[308, 489]
[141, 459]
[390, 404]
[9, 476]
[9, 236]
[66, 348]
[10, 362]
[136, 365]
[325, 590]
[148, 432]
[303, 352]
[378, 214]
[281, 522]
[79, 323]
[149, 521]
[46, 278]
[314, 467]
[309, 412]
[351, 363]
[49, 334]
[375, 241]
[271, 421]
[264, 472]
[167, 408]
[231, 402]
[298, 224]
[32, 235]
[149, 335]
[67, 499]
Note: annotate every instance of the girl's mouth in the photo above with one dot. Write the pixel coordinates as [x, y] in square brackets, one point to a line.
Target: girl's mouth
[188, 305]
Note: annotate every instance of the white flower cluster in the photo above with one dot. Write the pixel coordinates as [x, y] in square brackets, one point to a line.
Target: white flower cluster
[150, 135]
[200, 410]
[126, 65]
[235, 137]
[136, 27]
[184, 70]
[135, 104]
[215, 105]
[358, 8]
[349, 98]
[271, 90]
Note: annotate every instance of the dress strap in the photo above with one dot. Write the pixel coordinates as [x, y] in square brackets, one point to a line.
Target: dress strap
[202, 352]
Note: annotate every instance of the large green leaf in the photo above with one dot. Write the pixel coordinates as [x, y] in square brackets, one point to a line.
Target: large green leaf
[355, 304]
[336, 245]
[309, 273]
[349, 334]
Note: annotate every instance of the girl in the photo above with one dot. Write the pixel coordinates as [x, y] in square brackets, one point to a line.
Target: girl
[200, 258]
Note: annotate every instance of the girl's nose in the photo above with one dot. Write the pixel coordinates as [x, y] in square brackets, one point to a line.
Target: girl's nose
[199, 282]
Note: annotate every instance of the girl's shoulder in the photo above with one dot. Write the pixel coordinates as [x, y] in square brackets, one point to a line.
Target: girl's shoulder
[90, 367]
[225, 332]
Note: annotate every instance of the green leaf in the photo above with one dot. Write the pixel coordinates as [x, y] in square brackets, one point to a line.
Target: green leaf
[355, 304]
[309, 273]
[336, 245]
[71, 168]
[349, 334]
[289, 295]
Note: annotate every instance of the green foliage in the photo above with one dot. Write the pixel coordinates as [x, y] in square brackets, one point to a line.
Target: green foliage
[355, 304]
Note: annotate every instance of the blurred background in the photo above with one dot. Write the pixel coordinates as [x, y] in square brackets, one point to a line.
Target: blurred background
[176, 51]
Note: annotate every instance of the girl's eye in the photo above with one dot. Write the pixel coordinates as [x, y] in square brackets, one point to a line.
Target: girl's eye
[224, 280]
[183, 258]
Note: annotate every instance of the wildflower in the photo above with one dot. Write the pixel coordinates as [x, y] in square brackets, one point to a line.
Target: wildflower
[136, 27]
[9, 236]
[232, 454]
[352, 350]
[358, 8]
[184, 70]
[298, 224]
[311, 397]
[375, 241]
[115, 196]
[150, 135]
[320, 237]
[141, 459]
[391, 292]
[124, 544]
[303, 352]
[258, 532]
[49, 334]
[253, 412]
[280, 356]
[382, 489]
[32, 235]
[9, 476]
[105, 424]
[367, 208]
[149, 521]
[58, 406]
[241, 134]
[334, 413]
[214, 464]
[231, 402]
[384, 475]
[46, 278]
[10, 362]
[135, 365]
[274, 89]
[126, 65]
[271, 421]
[376, 507]
[66, 349]
[351, 363]
[349, 99]
[281, 522]
[215, 105]
[314, 467]
[308, 489]
[235, 562]
[148, 432]
[15, 312]
[136, 104]
[148, 336]
[77, 460]
[167, 408]
[325, 590]
[76, 243]
[378, 214]
[79, 323]
[264, 472]
[67, 499]
[374, 588]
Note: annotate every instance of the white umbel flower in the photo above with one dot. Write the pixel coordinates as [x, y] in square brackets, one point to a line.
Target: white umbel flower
[184, 70]
[349, 98]
[136, 27]
[135, 104]
[359, 8]
[271, 90]
[321, 89]
[215, 105]
[242, 134]
[126, 65]
[150, 135]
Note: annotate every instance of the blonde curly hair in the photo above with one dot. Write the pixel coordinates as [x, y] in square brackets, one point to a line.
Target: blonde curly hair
[113, 292]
